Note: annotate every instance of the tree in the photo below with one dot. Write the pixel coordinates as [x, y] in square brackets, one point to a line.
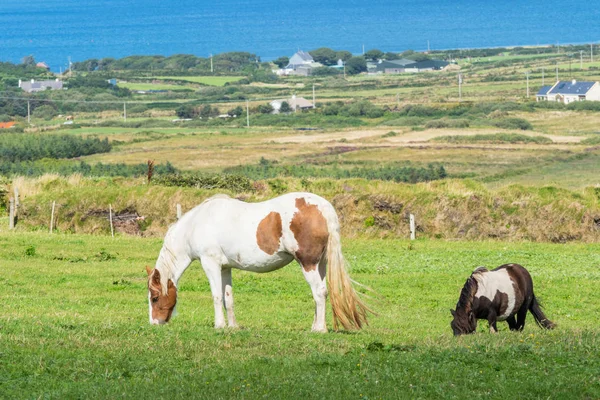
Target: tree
[28, 60]
[265, 108]
[343, 55]
[374, 54]
[186, 111]
[235, 112]
[285, 107]
[356, 65]
[390, 56]
[324, 55]
[281, 62]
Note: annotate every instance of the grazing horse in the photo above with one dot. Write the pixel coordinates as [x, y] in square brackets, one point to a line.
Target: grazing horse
[225, 233]
[497, 295]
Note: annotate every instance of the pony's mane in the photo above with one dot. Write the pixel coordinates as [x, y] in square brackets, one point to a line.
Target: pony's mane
[166, 260]
[465, 301]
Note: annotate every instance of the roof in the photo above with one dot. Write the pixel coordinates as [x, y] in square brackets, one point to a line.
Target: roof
[544, 90]
[9, 124]
[406, 63]
[42, 65]
[304, 55]
[571, 87]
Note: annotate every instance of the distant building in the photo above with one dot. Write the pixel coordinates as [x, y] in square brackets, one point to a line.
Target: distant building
[406, 65]
[569, 91]
[39, 86]
[295, 103]
[300, 63]
[43, 65]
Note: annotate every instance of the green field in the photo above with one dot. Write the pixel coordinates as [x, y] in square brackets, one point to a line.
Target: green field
[206, 80]
[75, 325]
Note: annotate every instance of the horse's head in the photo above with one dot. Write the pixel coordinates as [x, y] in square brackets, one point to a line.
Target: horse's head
[463, 322]
[161, 305]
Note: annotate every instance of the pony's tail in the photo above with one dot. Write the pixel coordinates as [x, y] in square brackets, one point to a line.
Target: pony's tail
[348, 309]
[539, 315]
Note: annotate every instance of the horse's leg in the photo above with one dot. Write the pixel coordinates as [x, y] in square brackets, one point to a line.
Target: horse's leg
[521, 315]
[512, 323]
[227, 292]
[492, 321]
[212, 269]
[315, 276]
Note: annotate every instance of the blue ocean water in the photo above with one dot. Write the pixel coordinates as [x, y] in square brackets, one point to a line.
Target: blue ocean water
[53, 31]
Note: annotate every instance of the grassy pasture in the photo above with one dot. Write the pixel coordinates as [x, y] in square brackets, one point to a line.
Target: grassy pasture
[74, 325]
[206, 80]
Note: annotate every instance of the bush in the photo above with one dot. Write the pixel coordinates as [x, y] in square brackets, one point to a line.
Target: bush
[493, 138]
[447, 123]
[233, 182]
[26, 147]
[513, 123]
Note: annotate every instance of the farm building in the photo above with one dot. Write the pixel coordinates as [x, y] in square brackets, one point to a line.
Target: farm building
[300, 63]
[405, 65]
[43, 65]
[295, 103]
[38, 86]
[570, 91]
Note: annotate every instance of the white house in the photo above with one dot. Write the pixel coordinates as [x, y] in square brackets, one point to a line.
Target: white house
[295, 103]
[38, 86]
[570, 91]
[300, 63]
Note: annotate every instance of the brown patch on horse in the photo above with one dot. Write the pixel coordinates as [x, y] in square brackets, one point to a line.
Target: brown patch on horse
[269, 233]
[520, 279]
[310, 230]
[162, 305]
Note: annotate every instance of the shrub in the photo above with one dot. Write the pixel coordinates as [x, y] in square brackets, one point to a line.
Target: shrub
[513, 123]
[233, 182]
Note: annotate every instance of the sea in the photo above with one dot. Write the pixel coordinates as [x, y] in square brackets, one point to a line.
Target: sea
[58, 31]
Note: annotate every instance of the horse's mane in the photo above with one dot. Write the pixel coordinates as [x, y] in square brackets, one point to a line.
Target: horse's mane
[465, 301]
[166, 259]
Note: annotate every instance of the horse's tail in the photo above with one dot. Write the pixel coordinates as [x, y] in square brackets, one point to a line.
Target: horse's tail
[348, 309]
[539, 315]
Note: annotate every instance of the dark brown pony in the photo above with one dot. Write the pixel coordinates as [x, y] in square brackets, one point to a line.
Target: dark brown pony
[503, 294]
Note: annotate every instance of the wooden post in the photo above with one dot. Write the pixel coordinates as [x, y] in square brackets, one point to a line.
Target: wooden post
[178, 211]
[412, 227]
[112, 231]
[52, 216]
[16, 190]
[11, 215]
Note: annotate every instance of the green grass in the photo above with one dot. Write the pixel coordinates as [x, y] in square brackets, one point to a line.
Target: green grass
[206, 80]
[75, 325]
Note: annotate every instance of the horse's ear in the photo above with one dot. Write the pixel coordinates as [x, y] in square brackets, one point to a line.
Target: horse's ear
[170, 284]
[156, 277]
[148, 270]
[453, 312]
[471, 316]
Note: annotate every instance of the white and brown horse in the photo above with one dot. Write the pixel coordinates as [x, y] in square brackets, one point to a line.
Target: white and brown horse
[497, 295]
[225, 233]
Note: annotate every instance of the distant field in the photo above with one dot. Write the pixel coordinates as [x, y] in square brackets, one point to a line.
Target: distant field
[206, 80]
[75, 325]
[151, 86]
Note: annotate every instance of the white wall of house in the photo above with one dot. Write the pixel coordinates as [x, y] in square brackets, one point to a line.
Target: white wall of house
[594, 93]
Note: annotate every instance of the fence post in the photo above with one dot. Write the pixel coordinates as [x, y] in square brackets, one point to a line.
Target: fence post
[412, 227]
[112, 231]
[52, 216]
[178, 211]
[11, 215]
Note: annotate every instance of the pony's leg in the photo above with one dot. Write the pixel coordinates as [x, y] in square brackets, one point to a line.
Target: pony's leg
[212, 269]
[512, 323]
[521, 315]
[315, 276]
[228, 296]
[492, 321]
